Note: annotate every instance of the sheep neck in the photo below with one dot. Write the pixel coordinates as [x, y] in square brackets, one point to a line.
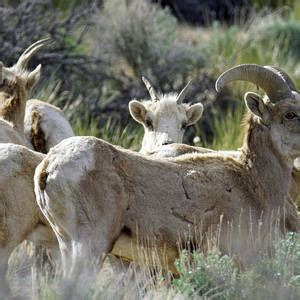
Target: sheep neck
[12, 109]
[265, 161]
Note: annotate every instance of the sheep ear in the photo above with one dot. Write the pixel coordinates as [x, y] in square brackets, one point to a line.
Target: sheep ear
[33, 77]
[256, 105]
[137, 111]
[194, 113]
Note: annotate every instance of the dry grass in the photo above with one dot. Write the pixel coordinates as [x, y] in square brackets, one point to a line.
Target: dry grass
[269, 257]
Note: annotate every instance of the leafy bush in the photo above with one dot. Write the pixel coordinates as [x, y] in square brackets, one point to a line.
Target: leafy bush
[205, 275]
[279, 34]
[101, 52]
[269, 277]
[139, 39]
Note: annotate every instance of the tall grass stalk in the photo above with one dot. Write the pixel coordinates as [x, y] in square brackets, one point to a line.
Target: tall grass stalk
[228, 131]
[271, 270]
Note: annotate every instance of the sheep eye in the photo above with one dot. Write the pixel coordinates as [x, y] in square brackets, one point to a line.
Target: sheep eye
[149, 124]
[184, 125]
[290, 115]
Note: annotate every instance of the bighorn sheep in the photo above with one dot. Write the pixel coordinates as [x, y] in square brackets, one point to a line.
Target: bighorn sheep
[18, 164]
[17, 176]
[45, 125]
[91, 191]
[164, 117]
[20, 216]
[15, 84]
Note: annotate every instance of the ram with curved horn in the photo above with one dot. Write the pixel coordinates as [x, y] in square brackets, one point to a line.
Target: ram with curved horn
[179, 149]
[295, 189]
[164, 117]
[91, 191]
[175, 149]
[278, 85]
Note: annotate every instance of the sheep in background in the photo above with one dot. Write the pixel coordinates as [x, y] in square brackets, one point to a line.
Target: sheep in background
[15, 84]
[164, 117]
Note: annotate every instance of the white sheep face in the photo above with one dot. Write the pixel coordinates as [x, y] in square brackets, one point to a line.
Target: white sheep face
[164, 120]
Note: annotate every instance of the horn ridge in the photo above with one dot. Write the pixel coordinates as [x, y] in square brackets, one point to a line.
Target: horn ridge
[285, 76]
[30, 51]
[150, 89]
[183, 93]
[274, 85]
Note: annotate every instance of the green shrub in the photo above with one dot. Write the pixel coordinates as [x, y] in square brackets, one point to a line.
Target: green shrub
[269, 39]
[275, 276]
[205, 275]
[138, 39]
[277, 33]
[222, 49]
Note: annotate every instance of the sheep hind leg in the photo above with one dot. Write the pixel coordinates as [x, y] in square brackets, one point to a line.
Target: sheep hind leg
[79, 247]
[81, 259]
[85, 252]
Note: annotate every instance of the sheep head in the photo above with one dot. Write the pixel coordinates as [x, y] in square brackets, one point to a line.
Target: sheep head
[17, 81]
[279, 112]
[164, 117]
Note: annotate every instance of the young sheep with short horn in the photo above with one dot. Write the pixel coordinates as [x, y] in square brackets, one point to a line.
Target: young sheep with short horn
[164, 118]
[15, 85]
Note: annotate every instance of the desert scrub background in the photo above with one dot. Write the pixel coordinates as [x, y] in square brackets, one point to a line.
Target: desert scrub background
[101, 49]
[217, 277]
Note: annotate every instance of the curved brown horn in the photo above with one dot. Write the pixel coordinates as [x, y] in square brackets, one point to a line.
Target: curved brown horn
[183, 93]
[150, 89]
[285, 76]
[30, 51]
[268, 79]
